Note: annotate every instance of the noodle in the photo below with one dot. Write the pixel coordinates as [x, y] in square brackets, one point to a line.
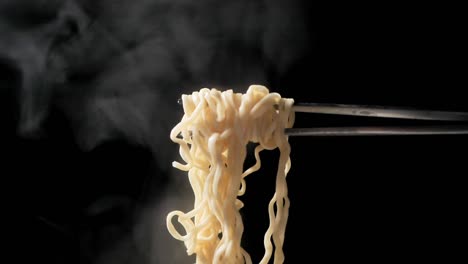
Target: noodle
[213, 136]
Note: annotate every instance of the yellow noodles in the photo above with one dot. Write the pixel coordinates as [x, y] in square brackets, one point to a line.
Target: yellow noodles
[213, 135]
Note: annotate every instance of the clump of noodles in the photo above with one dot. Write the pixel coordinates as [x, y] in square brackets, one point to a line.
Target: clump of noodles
[213, 136]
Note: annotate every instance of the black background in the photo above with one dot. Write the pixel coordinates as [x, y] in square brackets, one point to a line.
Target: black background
[366, 199]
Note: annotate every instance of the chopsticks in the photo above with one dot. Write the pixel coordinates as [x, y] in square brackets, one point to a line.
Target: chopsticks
[382, 112]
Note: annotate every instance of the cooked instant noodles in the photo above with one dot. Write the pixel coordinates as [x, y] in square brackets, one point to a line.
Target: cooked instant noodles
[213, 136]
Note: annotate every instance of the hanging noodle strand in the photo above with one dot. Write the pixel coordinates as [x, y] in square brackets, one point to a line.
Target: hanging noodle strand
[213, 136]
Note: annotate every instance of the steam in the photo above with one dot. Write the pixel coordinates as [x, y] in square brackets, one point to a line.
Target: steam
[116, 68]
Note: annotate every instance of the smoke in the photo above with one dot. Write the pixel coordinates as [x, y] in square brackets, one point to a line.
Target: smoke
[115, 70]
[114, 66]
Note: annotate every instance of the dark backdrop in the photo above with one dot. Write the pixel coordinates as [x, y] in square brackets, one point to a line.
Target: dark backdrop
[89, 92]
